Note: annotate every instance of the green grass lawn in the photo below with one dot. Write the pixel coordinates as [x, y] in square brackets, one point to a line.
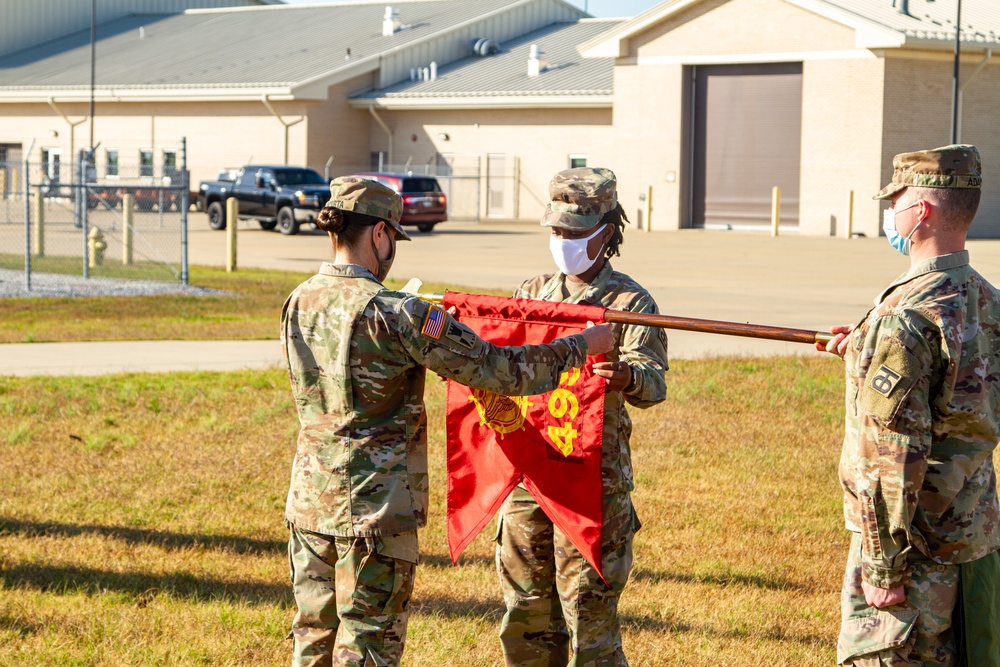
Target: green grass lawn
[141, 523]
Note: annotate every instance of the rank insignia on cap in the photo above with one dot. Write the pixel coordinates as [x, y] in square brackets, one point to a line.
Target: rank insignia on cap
[885, 380]
[461, 336]
[434, 323]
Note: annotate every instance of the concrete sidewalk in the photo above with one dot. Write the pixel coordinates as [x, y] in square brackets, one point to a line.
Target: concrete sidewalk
[790, 281]
[109, 357]
[99, 358]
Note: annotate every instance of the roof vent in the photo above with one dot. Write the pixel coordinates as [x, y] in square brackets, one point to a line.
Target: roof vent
[902, 6]
[390, 22]
[484, 47]
[536, 65]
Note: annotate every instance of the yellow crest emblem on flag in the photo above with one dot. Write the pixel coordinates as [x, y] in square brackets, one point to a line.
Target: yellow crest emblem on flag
[503, 414]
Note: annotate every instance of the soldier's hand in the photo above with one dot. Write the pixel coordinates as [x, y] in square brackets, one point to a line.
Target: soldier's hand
[599, 337]
[618, 374]
[883, 597]
[838, 344]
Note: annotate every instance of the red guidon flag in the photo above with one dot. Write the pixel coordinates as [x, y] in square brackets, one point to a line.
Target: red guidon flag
[551, 442]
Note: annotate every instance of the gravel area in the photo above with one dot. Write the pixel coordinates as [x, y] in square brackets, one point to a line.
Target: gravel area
[59, 285]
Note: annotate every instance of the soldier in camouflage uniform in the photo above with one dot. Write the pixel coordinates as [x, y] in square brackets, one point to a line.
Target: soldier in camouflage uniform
[922, 422]
[559, 612]
[356, 354]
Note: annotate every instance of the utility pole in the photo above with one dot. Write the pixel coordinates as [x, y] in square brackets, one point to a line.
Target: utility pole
[955, 88]
[93, 65]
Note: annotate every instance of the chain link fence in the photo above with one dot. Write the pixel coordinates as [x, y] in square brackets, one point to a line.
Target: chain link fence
[107, 220]
[460, 179]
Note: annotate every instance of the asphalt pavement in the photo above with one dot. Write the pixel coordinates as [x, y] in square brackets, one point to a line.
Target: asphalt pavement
[790, 281]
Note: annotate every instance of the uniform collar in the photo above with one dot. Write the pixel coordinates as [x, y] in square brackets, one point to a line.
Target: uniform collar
[346, 271]
[932, 265]
[590, 293]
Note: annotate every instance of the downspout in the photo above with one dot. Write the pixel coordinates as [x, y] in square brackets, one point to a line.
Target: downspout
[961, 91]
[267, 103]
[378, 119]
[72, 128]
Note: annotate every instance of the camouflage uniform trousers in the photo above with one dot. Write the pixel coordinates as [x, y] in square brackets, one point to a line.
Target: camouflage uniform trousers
[916, 633]
[352, 595]
[559, 612]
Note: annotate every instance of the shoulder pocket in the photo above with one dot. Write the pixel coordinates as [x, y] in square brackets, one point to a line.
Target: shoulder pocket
[893, 373]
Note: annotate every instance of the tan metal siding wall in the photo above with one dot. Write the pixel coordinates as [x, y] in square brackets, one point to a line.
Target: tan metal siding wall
[454, 46]
[24, 23]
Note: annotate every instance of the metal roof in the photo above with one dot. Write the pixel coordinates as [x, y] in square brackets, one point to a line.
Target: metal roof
[929, 20]
[276, 46]
[506, 73]
[879, 23]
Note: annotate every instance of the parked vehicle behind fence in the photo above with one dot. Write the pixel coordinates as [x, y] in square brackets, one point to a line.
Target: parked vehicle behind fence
[275, 196]
[424, 203]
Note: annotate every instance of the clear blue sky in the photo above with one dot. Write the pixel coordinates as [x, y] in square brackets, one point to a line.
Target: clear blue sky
[598, 8]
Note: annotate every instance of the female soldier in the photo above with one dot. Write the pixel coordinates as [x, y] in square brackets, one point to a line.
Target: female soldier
[356, 355]
[559, 611]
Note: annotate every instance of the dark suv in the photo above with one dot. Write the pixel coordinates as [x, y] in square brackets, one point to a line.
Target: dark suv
[424, 204]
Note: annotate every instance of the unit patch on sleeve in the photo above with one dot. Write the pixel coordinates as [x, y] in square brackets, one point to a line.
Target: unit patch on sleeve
[893, 373]
[461, 335]
[885, 380]
[434, 323]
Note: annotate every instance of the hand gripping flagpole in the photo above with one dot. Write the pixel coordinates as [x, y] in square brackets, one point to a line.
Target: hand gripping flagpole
[724, 328]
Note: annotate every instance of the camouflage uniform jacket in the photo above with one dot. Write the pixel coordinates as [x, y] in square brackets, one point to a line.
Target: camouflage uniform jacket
[356, 356]
[644, 348]
[923, 419]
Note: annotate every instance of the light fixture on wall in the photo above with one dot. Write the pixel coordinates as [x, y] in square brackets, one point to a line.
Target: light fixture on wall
[55, 134]
[444, 136]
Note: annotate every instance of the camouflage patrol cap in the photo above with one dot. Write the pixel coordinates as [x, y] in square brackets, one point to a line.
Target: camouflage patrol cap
[580, 198]
[955, 166]
[361, 195]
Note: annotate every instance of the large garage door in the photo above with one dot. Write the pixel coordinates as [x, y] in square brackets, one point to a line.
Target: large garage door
[747, 139]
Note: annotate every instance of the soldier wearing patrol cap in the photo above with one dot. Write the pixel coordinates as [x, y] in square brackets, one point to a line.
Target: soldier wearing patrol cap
[559, 611]
[356, 354]
[922, 583]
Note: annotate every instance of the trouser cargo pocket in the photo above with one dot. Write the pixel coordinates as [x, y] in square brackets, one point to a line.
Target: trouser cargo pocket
[886, 632]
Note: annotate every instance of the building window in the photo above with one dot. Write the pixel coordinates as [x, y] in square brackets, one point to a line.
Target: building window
[111, 163]
[577, 160]
[51, 163]
[145, 162]
[169, 162]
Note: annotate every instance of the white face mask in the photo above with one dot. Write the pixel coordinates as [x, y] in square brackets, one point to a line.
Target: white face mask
[570, 255]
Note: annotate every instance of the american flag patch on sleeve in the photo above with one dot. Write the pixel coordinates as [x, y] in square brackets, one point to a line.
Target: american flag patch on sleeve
[434, 323]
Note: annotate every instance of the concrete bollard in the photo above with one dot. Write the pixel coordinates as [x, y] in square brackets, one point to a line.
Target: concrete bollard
[775, 209]
[232, 219]
[649, 208]
[95, 247]
[128, 215]
[849, 215]
[38, 234]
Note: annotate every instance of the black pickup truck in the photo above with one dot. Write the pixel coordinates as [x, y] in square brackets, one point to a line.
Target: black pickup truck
[275, 195]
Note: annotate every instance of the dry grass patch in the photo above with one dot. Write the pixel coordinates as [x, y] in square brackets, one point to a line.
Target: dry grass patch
[140, 523]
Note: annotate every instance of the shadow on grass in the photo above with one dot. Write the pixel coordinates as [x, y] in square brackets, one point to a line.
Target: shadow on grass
[673, 624]
[493, 610]
[165, 539]
[444, 561]
[765, 581]
[19, 626]
[142, 586]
